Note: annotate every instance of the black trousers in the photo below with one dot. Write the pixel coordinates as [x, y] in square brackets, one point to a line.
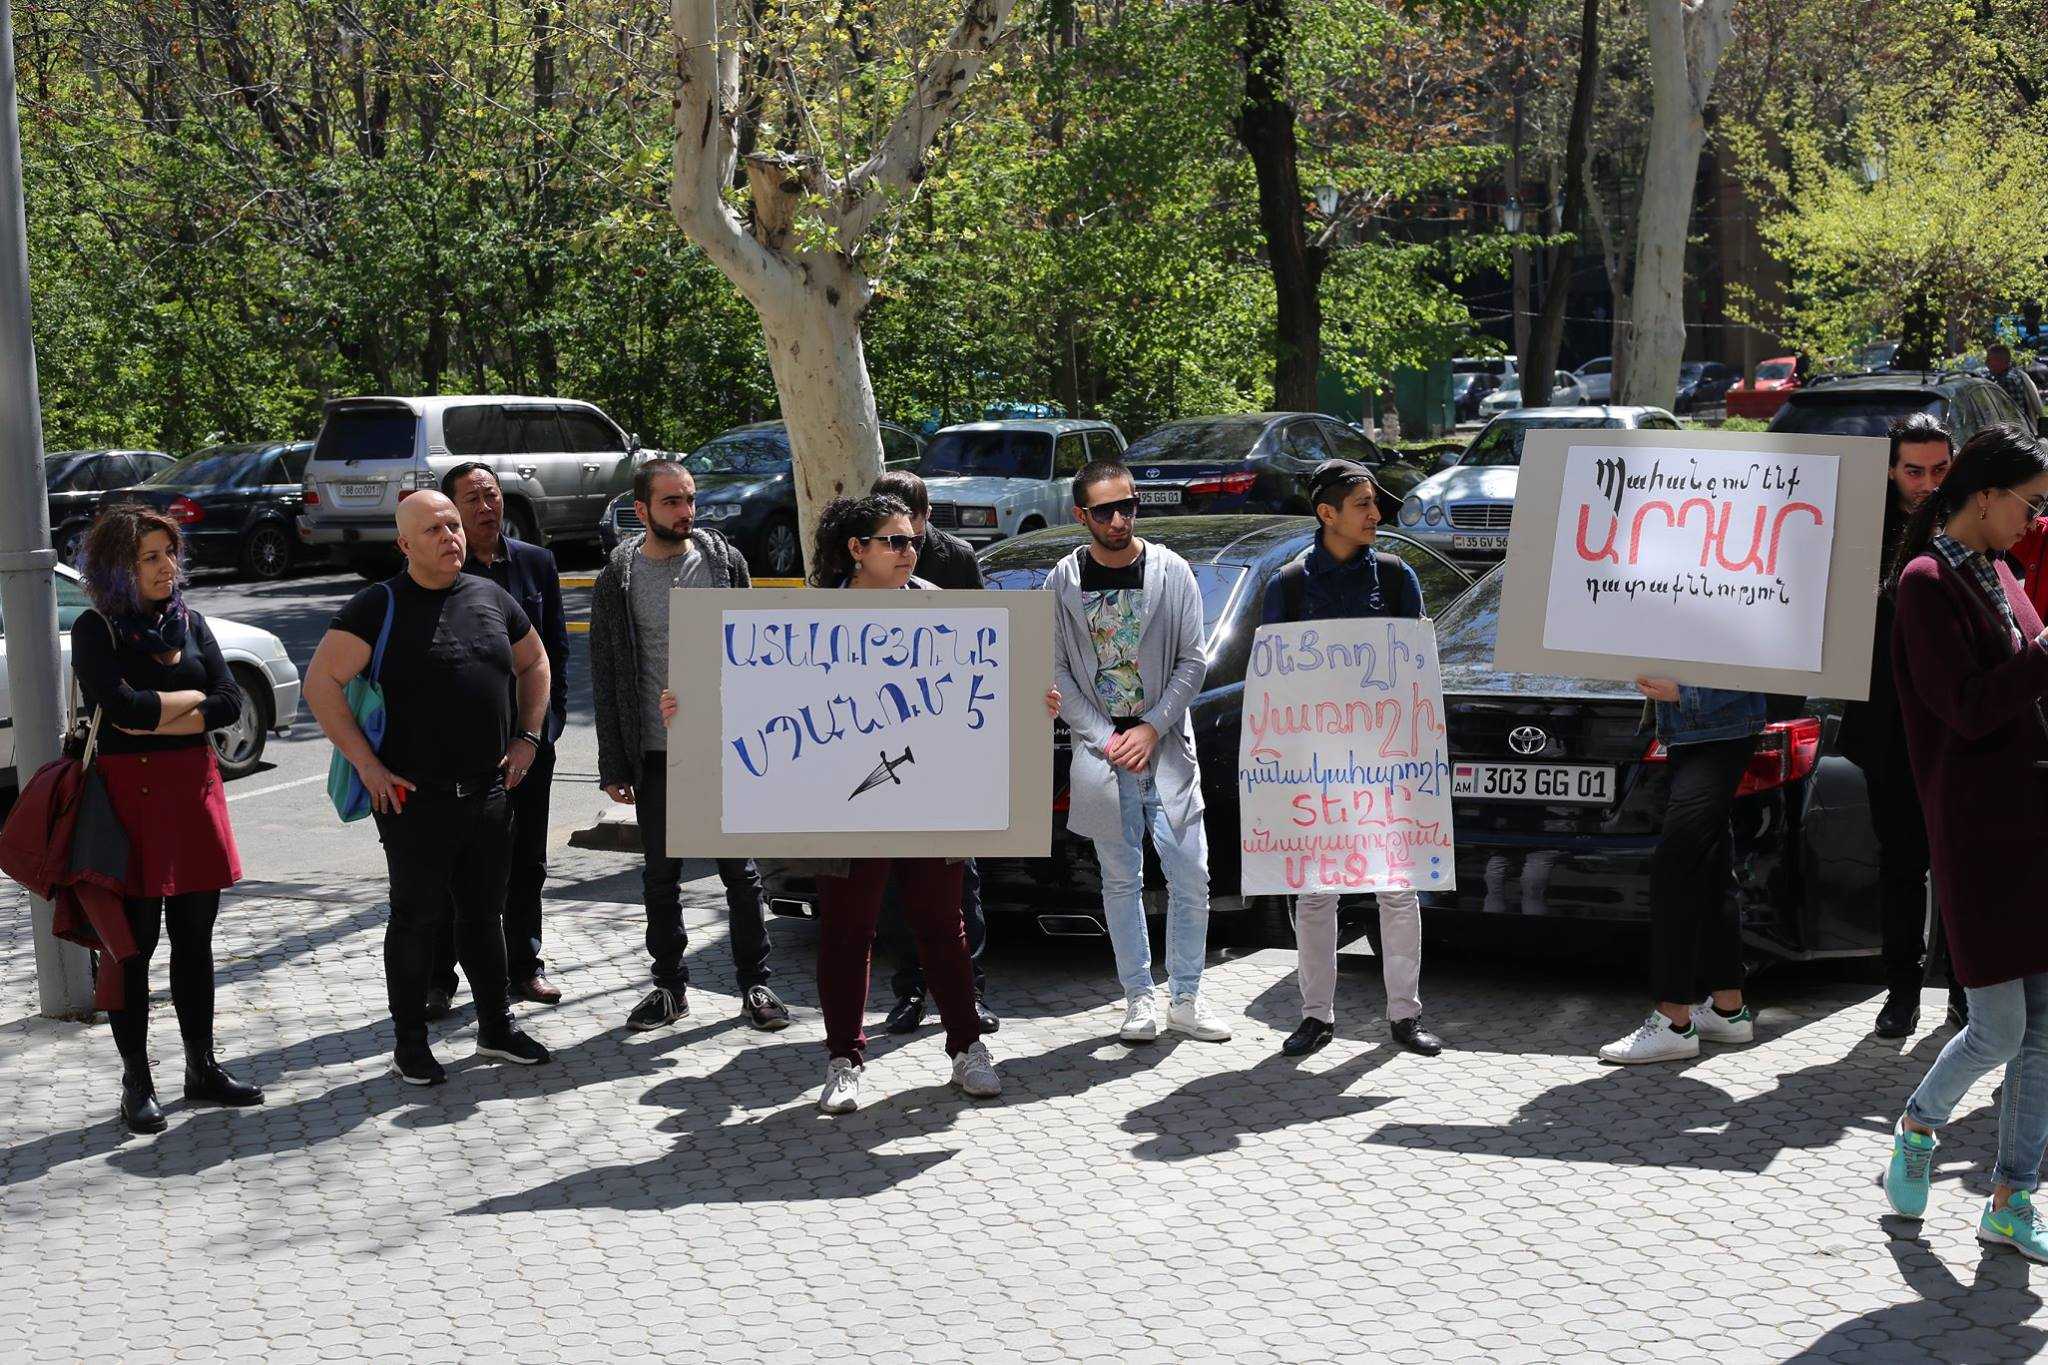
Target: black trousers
[189, 918]
[1902, 861]
[1695, 932]
[661, 880]
[527, 875]
[448, 854]
[896, 940]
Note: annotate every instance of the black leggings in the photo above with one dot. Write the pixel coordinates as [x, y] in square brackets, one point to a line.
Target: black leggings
[1695, 932]
[190, 918]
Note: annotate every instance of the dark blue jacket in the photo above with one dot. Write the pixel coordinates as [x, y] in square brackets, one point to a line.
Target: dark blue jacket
[528, 572]
[1702, 714]
[1370, 583]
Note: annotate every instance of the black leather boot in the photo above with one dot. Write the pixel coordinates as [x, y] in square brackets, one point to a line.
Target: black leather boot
[207, 1082]
[1901, 1012]
[139, 1109]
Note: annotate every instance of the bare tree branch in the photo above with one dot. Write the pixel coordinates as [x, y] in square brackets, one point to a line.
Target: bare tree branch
[706, 114]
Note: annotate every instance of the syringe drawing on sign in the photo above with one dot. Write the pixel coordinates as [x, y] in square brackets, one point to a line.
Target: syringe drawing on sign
[885, 771]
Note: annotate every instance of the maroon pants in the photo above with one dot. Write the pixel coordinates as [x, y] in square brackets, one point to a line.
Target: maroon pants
[848, 908]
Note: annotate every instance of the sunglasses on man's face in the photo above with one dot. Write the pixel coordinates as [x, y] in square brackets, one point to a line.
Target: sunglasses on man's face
[902, 545]
[1106, 512]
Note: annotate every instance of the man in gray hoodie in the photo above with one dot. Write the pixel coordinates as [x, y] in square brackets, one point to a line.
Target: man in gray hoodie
[629, 675]
[1128, 661]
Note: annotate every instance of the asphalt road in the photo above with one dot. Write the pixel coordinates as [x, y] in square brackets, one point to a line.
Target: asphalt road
[287, 831]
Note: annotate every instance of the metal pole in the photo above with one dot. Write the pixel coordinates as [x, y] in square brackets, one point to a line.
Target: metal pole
[28, 597]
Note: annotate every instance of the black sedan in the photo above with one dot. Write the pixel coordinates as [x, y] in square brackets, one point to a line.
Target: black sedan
[1233, 558]
[1558, 793]
[1703, 384]
[746, 491]
[239, 505]
[77, 478]
[1254, 462]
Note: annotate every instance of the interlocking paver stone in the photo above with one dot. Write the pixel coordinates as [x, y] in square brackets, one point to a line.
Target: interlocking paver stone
[676, 1196]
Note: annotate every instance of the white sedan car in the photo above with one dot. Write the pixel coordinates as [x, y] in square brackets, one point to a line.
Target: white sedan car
[1566, 392]
[264, 673]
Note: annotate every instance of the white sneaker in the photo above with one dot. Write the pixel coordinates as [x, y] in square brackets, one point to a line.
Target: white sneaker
[842, 1087]
[974, 1071]
[1141, 1019]
[1719, 1028]
[1190, 1014]
[1654, 1041]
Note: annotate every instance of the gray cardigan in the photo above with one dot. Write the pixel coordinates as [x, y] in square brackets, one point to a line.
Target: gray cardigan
[1171, 665]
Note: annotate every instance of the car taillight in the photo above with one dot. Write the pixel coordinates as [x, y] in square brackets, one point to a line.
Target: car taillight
[186, 512]
[1786, 752]
[311, 496]
[1225, 483]
[1064, 799]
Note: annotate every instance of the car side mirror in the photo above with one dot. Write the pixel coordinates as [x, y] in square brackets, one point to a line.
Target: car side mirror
[1447, 459]
[633, 442]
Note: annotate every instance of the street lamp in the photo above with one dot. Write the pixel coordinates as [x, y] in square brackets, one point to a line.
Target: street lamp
[1511, 214]
[1327, 199]
[1556, 216]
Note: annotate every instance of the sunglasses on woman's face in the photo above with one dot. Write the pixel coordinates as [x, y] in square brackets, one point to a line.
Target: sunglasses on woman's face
[2036, 507]
[902, 545]
[1106, 512]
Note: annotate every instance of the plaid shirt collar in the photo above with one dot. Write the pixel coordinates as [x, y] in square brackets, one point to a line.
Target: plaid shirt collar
[1978, 566]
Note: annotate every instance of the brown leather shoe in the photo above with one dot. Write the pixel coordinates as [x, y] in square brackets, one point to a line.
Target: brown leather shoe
[539, 990]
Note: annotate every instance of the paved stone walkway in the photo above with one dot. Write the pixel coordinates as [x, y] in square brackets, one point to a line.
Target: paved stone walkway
[676, 1195]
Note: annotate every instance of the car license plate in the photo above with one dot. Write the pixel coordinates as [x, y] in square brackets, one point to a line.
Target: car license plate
[1480, 543]
[1563, 783]
[360, 490]
[1158, 496]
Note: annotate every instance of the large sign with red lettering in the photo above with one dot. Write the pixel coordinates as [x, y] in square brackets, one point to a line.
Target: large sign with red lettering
[1344, 774]
[1733, 560]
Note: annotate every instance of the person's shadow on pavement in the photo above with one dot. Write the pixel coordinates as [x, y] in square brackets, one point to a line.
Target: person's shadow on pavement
[1214, 1113]
[1989, 1318]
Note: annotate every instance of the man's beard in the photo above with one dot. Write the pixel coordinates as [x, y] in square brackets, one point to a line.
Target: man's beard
[668, 535]
[1101, 535]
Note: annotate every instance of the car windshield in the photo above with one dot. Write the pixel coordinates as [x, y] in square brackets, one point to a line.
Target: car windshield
[1002, 454]
[1462, 383]
[1215, 581]
[1878, 357]
[742, 452]
[1864, 415]
[1501, 442]
[1774, 369]
[1190, 441]
[1466, 627]
[1692, 369]
[219, 467]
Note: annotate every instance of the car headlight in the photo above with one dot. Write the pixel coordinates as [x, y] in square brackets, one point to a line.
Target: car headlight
[719, 511]
[1433, 514]
[977, 516]
[1411, 511]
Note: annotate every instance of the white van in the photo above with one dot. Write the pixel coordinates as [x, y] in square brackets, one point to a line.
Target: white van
[560, 462]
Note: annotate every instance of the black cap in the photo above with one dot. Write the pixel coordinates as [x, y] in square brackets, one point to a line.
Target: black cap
[1338, 477]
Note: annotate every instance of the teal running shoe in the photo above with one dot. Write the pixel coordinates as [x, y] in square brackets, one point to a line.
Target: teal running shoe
[1911, 1170]
[2018, 1225]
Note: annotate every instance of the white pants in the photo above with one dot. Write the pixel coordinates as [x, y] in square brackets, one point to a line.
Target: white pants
[1315, 939]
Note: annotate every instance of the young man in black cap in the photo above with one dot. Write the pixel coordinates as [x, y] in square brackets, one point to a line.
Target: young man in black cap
[1341, 577]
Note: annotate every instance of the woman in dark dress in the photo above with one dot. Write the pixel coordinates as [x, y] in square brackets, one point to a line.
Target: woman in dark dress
[1971, 662]
[150, 665]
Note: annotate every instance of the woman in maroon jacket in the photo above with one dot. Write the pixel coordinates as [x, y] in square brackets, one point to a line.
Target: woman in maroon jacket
[150, 665]
[1971, 661]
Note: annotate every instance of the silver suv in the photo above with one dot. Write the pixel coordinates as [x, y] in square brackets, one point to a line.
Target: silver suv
[560, 462]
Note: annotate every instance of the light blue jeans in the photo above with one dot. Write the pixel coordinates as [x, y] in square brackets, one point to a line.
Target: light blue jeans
[1184, 857]
[2008, 1027]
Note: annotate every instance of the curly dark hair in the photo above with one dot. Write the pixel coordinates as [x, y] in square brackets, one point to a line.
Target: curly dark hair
[107, 562]
[841, 521]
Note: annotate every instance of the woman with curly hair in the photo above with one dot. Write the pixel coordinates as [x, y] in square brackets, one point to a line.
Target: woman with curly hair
[149, 665]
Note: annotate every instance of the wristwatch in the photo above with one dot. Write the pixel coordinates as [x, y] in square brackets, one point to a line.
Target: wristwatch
[530, 737]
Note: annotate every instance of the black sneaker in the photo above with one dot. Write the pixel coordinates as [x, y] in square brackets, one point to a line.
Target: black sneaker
[511, 1046]
[907, 1015]
[416, 1066]
[661, 1008]
[1312, 1036]
[763, 1010]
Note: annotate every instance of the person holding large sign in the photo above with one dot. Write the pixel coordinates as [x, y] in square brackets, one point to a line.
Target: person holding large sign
[1971, 659]
[1343, 577]
[1128, 659]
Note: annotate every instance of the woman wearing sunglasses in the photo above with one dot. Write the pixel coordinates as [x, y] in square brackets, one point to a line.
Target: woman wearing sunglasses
[868, 543]
[1971, 661]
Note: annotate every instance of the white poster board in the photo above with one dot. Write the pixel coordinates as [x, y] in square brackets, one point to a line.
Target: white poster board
[1736, 560]
[1344, 777]
[859, 724]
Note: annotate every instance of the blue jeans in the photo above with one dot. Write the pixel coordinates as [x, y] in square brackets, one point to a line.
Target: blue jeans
[2008, 1027]
[1185, 859]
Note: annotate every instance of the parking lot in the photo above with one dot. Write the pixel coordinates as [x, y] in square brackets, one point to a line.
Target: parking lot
[676, 1194]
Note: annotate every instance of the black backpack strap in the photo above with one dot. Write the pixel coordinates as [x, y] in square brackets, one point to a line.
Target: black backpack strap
[1293, 589]
[1393, 572]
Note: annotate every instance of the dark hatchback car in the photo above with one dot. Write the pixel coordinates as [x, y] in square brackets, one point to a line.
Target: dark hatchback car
[1703, 384]
[1254, 462]
[746, 491]
[1233, 558]
[239, 505]
[1867, 404]
[77, 478]
[1805, 855]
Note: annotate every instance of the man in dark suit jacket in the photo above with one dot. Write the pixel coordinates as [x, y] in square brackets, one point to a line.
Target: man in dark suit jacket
[527, 572]
[949, 562]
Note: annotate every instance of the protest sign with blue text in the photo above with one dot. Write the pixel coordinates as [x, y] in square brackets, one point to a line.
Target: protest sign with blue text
[1344, 778]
